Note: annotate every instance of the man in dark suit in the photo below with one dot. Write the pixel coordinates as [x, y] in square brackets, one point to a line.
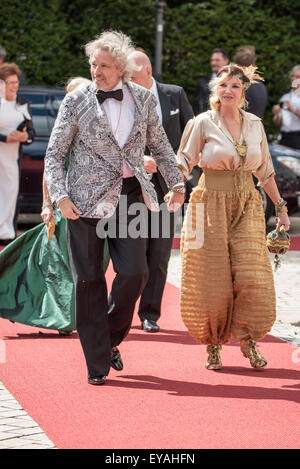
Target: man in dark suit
[218, 59]
[174, 111]
[257, 95]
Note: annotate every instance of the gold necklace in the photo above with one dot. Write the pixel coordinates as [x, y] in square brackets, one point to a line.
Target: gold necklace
[241, 150]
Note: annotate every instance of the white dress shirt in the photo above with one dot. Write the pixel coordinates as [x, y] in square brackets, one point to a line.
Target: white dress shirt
[120, 115]
[290, 122]
[153, 90]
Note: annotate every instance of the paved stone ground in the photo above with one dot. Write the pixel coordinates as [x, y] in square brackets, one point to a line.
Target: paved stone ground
[19, 431]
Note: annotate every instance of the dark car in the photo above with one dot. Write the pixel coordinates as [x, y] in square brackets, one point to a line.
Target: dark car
[287, 178]
[288, 186]
[44, 103]
[288, 156]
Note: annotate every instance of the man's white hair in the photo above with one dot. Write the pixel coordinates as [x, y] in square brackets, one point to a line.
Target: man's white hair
[294, 69]
[119, 46]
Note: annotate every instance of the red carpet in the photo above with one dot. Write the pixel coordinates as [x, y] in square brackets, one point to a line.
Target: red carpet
[295, 243]
[164, 398]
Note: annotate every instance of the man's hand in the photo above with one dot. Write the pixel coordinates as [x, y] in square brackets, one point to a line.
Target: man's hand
[174, 200]
[68, 209]
[287, 105]
[150, 164]
[23, 136]
[12, 137]
[17, 136]
[291, 108]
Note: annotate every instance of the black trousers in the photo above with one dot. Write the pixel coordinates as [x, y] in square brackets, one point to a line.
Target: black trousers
[102, 322]
[159, 246]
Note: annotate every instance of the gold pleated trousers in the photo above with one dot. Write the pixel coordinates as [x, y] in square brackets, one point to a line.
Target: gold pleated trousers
[227, 285]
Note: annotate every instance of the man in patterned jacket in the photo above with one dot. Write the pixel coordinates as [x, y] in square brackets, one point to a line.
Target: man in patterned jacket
[105, 127]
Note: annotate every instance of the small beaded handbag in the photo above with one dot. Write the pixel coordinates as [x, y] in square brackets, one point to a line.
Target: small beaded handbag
[278, 242]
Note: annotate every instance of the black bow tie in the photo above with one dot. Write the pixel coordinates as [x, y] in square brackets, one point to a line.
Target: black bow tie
[103, 95]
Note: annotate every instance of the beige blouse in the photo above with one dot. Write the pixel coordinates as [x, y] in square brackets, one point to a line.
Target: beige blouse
[207, 142]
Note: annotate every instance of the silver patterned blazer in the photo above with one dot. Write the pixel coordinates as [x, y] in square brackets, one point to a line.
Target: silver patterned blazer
[94, 176]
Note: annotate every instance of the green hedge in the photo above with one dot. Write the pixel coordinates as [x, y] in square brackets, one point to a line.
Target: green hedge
[46, 37]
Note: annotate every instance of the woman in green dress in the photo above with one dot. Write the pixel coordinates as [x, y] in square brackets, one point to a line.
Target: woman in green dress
[36, 284]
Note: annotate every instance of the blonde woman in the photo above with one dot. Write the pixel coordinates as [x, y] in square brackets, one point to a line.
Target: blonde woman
[227, 282]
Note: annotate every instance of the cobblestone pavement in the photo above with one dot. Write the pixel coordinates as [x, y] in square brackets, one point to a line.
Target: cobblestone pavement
[19, 431]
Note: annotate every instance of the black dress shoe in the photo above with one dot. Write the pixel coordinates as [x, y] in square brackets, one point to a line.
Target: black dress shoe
[65, 333]
[97, 381]
[116, 359]
[149, 325]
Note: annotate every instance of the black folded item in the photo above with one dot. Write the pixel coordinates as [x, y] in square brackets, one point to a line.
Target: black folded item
[22, 125]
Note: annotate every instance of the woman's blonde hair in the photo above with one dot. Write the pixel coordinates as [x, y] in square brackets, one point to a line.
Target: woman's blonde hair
[226, 72]
[75, 82]
[119, 46]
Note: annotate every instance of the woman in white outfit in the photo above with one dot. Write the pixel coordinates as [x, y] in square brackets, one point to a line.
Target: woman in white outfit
[15, 129]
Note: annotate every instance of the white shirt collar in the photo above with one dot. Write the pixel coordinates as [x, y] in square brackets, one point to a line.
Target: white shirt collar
[154, 91]
[153, 88]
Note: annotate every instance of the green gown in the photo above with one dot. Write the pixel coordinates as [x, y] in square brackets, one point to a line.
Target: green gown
[36, 284]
